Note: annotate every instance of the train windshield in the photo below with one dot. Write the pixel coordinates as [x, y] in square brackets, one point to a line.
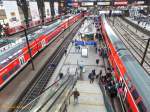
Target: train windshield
[119, 45]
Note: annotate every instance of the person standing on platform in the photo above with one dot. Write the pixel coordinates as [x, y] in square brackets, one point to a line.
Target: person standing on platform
[65, 52]
[99, 75]
[89, 76]
[96, 50]
[76, 94]
[61, 75]
[93, 72]
[78, 48]
[97, 61]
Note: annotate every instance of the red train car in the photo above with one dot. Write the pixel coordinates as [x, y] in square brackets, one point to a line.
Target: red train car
[14, 65]
[128, 72]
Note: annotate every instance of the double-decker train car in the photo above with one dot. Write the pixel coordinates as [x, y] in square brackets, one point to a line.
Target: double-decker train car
[128, 72]
[11, 66]
[13, 30]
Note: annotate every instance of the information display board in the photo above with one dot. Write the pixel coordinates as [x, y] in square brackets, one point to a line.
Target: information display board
[56, 8]
[103, 3]
[12, 13]
[87, 3]
[34, 11]
[84, 52]
[47, 9]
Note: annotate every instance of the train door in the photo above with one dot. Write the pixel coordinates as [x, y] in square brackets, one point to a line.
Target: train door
[43, 43]
[123, 93]
[21, 60]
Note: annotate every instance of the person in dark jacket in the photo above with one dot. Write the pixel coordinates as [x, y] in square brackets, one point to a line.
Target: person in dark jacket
[99, 75]
[97, 61]
[93, 72]
[76, 94]
[92, 78]
[65, 51]
[61, 75]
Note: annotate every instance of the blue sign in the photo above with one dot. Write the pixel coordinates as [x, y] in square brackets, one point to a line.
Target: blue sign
[84, 43]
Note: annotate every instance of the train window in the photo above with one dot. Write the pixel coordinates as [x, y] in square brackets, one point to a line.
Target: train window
[118, 71]
[11, 71]
[129, 84]
[4, 76]
[16, 67]
[141, 107]
[125, 77]
[43, 43]
[21, 59]
[135, 94]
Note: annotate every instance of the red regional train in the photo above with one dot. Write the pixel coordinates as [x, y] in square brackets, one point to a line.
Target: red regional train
[127, 71]
[13, 67]
[13, 30]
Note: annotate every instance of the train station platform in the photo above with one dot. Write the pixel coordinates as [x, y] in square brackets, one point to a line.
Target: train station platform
[141, 24]
[91, 97]
[130, 27]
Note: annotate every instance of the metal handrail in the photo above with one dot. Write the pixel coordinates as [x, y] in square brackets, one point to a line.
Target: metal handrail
[64, 104]
[50, 87]
[66, 79]
[57, 97]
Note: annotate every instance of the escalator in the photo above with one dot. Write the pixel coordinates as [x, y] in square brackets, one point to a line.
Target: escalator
[53, 97]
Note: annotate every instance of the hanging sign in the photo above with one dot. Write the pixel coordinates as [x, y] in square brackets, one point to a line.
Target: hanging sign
[34, 11]
[47, 9]
[12, 13]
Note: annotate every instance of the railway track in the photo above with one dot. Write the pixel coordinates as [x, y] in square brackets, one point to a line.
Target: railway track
[135, 44]
[43, 78]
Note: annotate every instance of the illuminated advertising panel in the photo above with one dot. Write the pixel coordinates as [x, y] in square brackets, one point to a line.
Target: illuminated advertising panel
[47, 9]
[103, 3]
[140, 2]
[120, 2]
[87, 3]
[56, 8]
[75, 4]
[34, 11]
[12, 13]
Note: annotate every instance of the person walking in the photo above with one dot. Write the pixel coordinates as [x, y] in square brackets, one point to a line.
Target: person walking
[92, 78]
[89, 76]
[76, 94]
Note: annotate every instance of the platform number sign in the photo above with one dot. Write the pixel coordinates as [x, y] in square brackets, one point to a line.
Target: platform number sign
[21, 59]
[43, 43]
